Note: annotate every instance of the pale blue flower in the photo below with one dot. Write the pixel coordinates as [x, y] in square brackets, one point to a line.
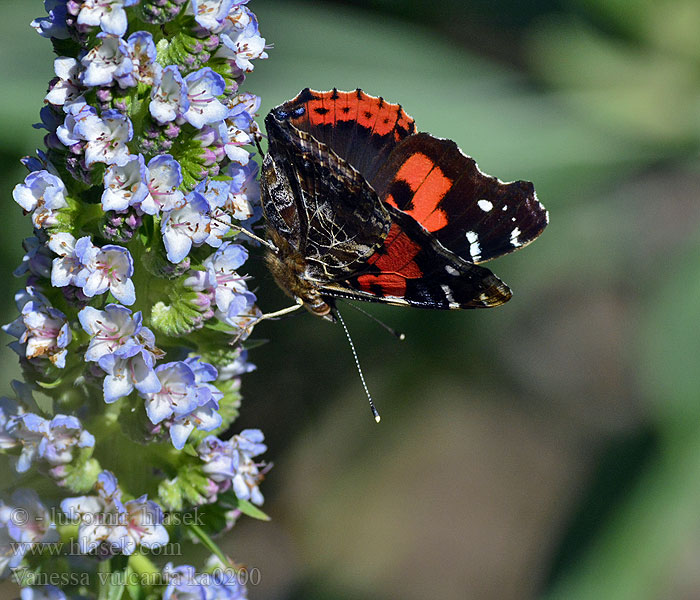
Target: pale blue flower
[203, 87]
[231, 464]
[108, 268]
[112, 330]
[42, 194]
[242, 314]
[53, 26]
[44, 592]
[177, 396]
[132, 368]
[223, 583]
[241, 39]
[76, 111]
[125, 185]
[163, 177]
[41, 329]
[214, 191]
[67, 265]
[106, 137]
[67, 88]
[24, 522]
[65, 433]
[238, 366]
[169, 96]
[29, 430]
[109, 527]
[54, 440]
[185, 226]
[219, 226]
[239, 128]
[205, 416]
[107, 62]
[210, 14]
[183, 583]
[223, 278]
[36, 260]
[108, 14]
[142, 52]
[244, 192]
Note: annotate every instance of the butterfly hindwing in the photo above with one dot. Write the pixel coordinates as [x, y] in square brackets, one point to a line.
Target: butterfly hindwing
[476, 216]
[411, 268]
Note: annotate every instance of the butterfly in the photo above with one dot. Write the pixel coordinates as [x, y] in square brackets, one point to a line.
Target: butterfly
[360, 205]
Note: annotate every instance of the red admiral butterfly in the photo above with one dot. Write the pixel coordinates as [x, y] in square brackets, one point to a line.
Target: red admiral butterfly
[361, 206]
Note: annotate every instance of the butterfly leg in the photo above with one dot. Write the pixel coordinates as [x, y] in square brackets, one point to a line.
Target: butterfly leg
[247, 330]
[279, 313]
[267, 243]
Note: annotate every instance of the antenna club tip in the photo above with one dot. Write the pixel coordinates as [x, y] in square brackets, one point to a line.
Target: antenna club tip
[377, 418]
[402, 337]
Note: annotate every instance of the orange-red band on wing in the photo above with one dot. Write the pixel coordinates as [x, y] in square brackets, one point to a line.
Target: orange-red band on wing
[429, 185]
[396, 263]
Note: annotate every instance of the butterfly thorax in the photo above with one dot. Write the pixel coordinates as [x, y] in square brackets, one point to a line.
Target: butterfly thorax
[288, 268]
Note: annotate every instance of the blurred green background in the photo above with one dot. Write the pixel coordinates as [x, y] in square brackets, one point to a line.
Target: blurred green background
[549, 448]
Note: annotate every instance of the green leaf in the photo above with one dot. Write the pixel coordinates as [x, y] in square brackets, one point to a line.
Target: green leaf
[248, 508]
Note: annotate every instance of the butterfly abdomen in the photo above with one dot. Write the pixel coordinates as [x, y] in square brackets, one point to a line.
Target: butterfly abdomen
[288, 268]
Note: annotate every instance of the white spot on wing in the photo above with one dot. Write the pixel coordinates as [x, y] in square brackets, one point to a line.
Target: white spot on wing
[448, 294]
[514, 237]
[474, 247]
[505, 208]
[485, 205]
[451, 270]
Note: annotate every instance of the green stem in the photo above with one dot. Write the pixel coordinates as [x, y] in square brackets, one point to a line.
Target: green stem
[209, 543]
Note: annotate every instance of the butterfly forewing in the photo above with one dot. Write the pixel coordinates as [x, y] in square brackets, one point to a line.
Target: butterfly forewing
[360, 128]
[476, 216]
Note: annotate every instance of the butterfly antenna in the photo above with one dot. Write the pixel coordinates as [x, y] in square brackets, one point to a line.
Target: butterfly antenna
[397, 334]
[374, 410]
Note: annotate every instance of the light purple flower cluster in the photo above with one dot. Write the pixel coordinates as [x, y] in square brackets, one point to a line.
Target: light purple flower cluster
[184, 583]
[123, 348]
[24, 522]
[230, 464]
[54, 441]
[131, 318]
[41, 329]
[44, 592]
[221, 290]
[43, 195]
[109, 526]
[186, 399]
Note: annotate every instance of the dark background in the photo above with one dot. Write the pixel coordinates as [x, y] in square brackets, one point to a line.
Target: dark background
[549, 448]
